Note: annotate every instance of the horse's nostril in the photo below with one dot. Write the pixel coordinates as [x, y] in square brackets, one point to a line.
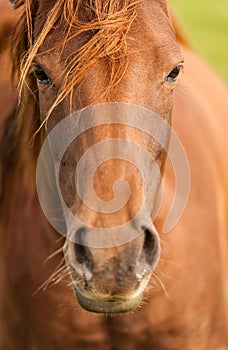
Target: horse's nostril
[150, 253]
[82, 252]
[80, 236]
[149, 246]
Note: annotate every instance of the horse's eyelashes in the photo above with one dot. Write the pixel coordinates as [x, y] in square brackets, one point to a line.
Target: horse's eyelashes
[41, 76]
[173, 75]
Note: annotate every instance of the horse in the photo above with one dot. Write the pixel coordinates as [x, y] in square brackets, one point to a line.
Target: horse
[166, 291]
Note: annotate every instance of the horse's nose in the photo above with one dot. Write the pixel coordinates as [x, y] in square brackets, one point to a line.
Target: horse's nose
[113, 273]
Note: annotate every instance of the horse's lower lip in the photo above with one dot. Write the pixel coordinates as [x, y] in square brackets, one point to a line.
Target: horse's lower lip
[108, 306]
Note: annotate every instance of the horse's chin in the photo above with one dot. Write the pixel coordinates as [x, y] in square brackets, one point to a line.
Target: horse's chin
[108, 305]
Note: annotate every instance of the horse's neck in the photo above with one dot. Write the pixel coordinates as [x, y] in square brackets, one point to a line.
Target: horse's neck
[24, 230]
[26, 242]
[26, 238]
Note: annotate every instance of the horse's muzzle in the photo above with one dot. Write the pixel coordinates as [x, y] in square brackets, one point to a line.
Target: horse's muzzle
[108, 305]
[112, 280]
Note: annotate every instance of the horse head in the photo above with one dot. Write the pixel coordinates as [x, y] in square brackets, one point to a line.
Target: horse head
[114, 54]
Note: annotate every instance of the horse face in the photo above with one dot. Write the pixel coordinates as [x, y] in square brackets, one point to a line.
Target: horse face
[110, 278]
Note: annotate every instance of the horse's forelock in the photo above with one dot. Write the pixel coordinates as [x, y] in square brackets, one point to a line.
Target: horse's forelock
[107, 20]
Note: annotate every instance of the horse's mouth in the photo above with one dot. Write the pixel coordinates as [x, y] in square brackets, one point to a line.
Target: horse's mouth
[108, 305]
[112, 281]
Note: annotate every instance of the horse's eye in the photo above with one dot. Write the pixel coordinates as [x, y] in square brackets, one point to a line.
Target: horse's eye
[172, 77]
[41, 76]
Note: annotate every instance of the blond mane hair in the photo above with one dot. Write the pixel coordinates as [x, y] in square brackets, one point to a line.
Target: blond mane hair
[107, 22]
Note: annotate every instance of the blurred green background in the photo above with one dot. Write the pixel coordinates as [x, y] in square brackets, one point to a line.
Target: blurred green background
[207, 24]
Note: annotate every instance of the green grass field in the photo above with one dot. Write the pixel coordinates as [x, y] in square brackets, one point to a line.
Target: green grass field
[207, 24]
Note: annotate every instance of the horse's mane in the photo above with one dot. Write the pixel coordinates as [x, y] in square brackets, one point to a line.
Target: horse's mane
[104, 22]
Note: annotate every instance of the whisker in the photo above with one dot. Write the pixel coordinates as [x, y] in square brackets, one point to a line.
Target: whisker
[184, 89]
[162, 285]
[167, 276]
[55, 276]
[170, 262]
[52, 255]
[60, 239]
[61, 277]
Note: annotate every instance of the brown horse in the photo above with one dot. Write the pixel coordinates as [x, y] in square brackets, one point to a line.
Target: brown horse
[68, 55]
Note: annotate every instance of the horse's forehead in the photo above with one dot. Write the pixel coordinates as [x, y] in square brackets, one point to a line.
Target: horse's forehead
[153, 21]
[148, 11]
